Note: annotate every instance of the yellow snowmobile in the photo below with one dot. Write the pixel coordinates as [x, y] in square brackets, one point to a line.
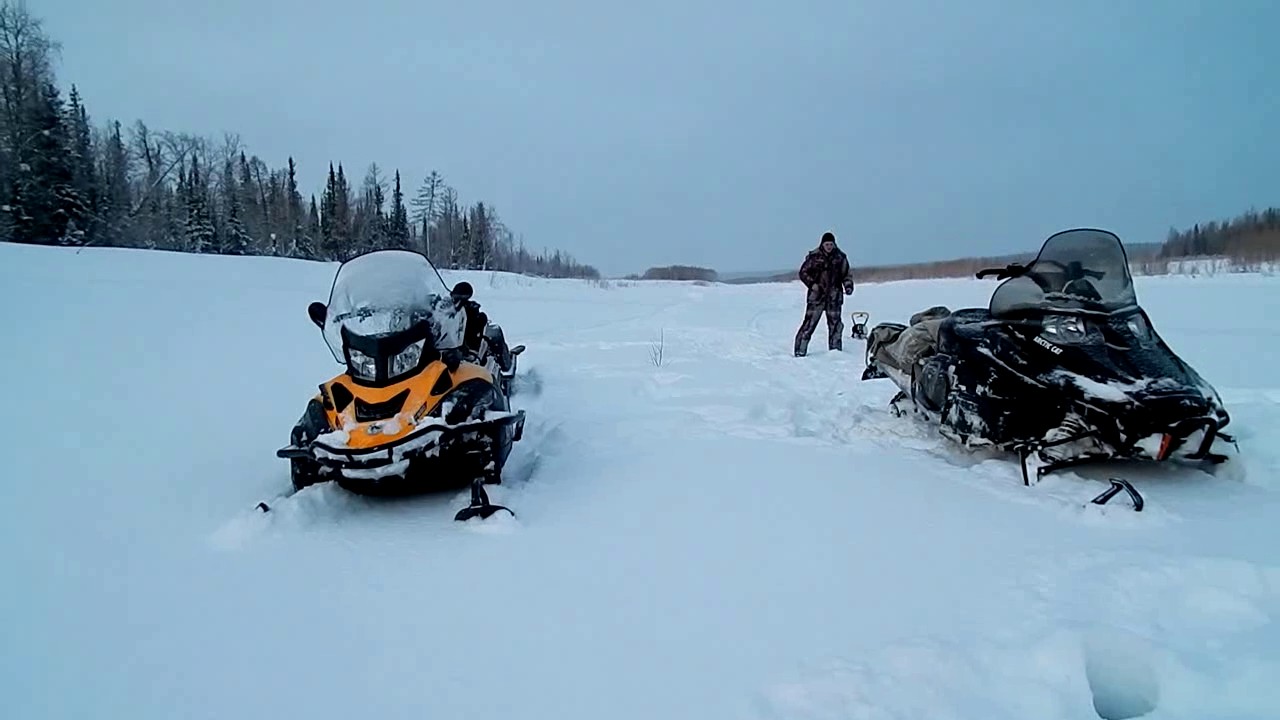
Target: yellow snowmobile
[413, 411]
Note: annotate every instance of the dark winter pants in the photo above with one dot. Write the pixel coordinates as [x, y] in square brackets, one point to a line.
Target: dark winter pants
[815, 305]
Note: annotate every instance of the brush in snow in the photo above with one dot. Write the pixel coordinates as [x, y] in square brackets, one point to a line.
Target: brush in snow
[1063, 367]
[858, 322]
[415, 410]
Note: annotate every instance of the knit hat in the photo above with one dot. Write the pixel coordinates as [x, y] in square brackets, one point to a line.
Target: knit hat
[827, 237]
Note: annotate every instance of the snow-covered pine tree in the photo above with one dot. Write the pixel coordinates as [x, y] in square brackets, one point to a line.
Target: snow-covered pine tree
[328, 238]
[235, 241]
[481, 244]
[199, 232]
[398, 233]
[52, 210]
[294, 215]
[84, 169]
[277, 229]
[343, 238]
[25, 68]
[250, 208]
[116, 205]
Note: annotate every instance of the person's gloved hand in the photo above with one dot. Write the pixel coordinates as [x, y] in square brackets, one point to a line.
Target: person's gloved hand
[848, 288]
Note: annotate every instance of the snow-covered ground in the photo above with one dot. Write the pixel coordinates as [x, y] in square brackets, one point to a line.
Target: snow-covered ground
[734, 533]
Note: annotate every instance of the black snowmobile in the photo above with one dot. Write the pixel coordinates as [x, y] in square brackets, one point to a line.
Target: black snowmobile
[1063, 367]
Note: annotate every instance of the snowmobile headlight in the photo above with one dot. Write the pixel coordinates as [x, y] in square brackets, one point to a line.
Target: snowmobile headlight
[407, 359]
[362, 365]
[1138, 326]
[1066, 328]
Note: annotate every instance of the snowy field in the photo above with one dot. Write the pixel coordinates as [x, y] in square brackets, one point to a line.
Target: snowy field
[734, 533]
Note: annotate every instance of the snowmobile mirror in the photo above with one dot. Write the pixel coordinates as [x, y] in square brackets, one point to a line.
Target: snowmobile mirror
[318, 312]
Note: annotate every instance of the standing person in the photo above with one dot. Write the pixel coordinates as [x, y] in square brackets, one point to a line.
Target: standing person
[826, 273]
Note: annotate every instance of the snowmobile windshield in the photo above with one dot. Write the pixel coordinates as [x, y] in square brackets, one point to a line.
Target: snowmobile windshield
[1076, 271]
[381, 294]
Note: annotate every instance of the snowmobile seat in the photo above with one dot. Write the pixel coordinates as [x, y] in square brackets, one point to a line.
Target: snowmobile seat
[965, 324]
[498, 345]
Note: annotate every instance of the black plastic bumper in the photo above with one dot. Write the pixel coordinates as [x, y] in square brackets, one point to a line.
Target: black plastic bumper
[427, 442]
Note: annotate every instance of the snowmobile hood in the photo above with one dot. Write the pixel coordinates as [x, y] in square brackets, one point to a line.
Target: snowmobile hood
[1116, 358]
[1165, 393]
[1076, 305]
[366, 417]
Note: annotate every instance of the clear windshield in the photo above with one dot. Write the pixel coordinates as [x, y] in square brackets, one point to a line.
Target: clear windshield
[389, 291]
[1075, 270]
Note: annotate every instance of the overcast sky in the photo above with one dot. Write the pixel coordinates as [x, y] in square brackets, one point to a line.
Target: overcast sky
[728, 134]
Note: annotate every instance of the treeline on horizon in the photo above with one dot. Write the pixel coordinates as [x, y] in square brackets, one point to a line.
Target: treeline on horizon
[677, 272]
[64, 181]
[1248, 241]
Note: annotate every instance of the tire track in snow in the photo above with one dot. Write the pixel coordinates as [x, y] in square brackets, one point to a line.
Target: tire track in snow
[822, 399]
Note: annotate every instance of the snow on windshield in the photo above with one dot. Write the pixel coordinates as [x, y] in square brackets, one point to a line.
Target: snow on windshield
[1075, 270]
[389, 291]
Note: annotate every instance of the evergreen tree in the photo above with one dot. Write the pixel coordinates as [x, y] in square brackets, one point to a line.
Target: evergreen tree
[373, 225]
[235, 240]
[399, 231]
[328, 217]
[116, 206]
[342, 214]
[306, 248]
[481, 243]
[199, 232]
[294, 217]
[25, 70]
[83, 160]
[50, 208]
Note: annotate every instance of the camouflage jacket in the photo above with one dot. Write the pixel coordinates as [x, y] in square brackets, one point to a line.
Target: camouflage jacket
[827, 275]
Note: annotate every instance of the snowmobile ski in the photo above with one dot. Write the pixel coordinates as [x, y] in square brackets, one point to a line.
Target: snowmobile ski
[480, 506]
[1118, 484]
[265, 506]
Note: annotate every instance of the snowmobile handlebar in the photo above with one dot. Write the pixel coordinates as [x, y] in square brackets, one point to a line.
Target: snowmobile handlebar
[1004, 273]
[1074, 270]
